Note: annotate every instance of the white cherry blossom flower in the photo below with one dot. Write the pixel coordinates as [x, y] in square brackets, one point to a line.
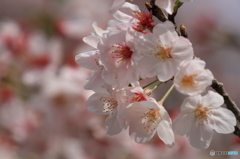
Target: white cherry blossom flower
[90, 60]
[134, 18]
[117, 55]
[192, 78]
[145, 119]
[200, 115]
[106, 104]
[161, 52]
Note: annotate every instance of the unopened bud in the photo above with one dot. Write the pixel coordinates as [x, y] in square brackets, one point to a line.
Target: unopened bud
[183, 31]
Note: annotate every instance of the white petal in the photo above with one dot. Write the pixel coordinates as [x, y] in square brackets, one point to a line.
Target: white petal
[182, 50]
[89, 60]
[113, 124]
[150, 105]
[97, 103]
[191, 103]
[200, 136]
[222, 120]
[139, 133]
[164, 129]
[146, 67]
[133, 112]
[99, 31]
[116, 5]
[126, 12]
[212, 99]
[165, 133]
[165, 32]
[183, 123]
[165, 70]
[96, 82]
[92, 40]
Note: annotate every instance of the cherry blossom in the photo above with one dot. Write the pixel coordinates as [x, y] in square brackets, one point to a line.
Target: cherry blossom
[117, 54]
[106, 103]
[137, 20]
[192, 78]
[200, 115]
[145, 119]
[161, 52]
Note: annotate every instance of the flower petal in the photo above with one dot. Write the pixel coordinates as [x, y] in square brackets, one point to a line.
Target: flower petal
[164, 129]
[212, 99]
[116, 5]
[89, 60]
[100, 103]
[222, 120]
[183, 123]
[200, 136]
[166, 32]
[113, 124]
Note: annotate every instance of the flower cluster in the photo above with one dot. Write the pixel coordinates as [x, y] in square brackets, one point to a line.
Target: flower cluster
[134, 48]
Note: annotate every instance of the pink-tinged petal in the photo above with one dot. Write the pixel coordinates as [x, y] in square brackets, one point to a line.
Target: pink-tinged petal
[101, 103]
[222, 120]
[114, 25]
[113, 124]
[138, 132]
[191, 103]
[150, 105]
[205, 78]
[165, 70]
[116, 5]
[99, 31]
[195, 66]
[146, 67]
[183, 123]
[212, 100]
[96, 82]
[109, 77]
[165, 133]
[126, 12]
[92, 40]
[133, 112]
[166, 32]
[167, 5]
[200, 136]
[182, 50]
[89, 60]
[164, 129]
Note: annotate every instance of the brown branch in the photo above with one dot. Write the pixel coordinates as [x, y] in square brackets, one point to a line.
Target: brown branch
[156, 11]
[218, 87]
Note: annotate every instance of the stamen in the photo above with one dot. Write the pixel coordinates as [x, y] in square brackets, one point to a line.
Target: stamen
[188, 81]
[164, 52]
[122, 52]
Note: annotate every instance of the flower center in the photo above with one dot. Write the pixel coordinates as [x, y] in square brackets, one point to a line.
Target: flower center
[138, 97]
[202, 113]
[164, 52]
[188, 81]
[122, 52]
[150, 119]
[144, 20]
[109, 104]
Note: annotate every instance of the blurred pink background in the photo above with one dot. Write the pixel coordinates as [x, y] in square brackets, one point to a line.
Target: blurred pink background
[42, 100]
